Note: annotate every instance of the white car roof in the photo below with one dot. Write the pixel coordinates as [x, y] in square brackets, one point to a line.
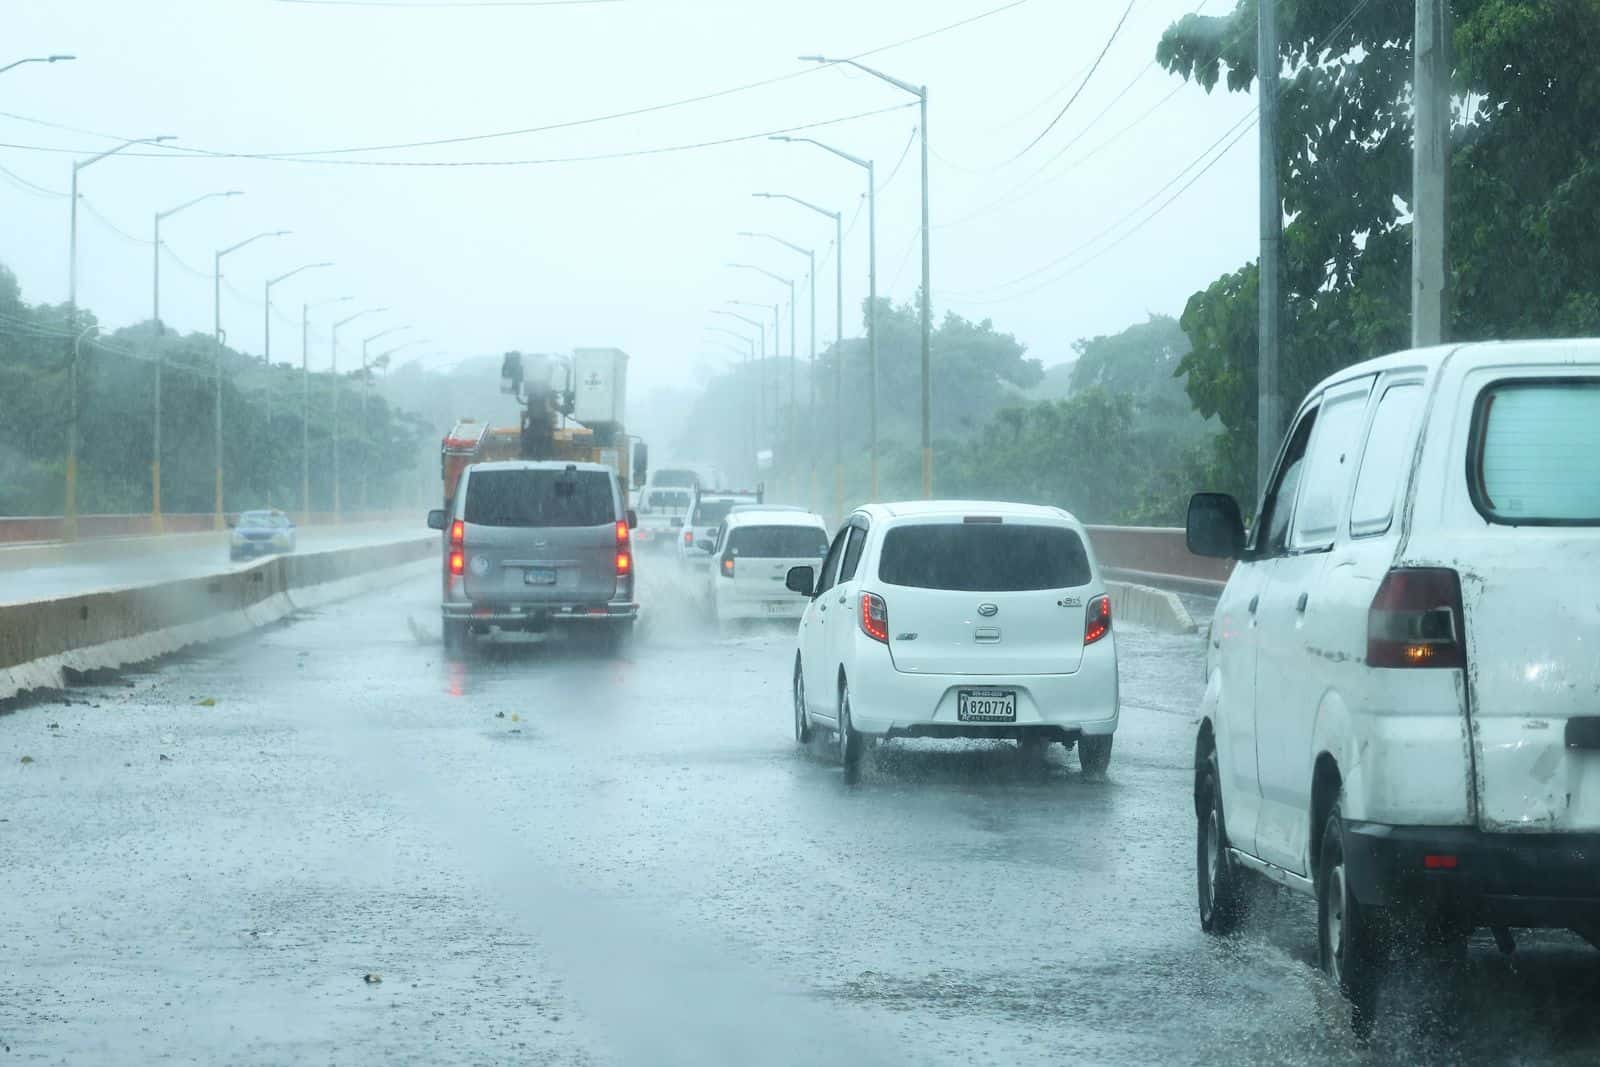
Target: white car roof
[951, 509]
[776, 517]
[1576, 350]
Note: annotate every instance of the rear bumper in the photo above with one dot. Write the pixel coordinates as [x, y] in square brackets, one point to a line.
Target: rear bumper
[890, 703]
[1529, 880]
[733, 605]
[525, 616]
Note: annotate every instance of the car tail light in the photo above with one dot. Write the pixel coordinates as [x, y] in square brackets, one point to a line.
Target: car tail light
[1415, 620]
[727, 566]
[1437, 862]
[622, 531]
[875, 617]
[458, 556]
[688, 537]
[624, 563]
[1097, 620]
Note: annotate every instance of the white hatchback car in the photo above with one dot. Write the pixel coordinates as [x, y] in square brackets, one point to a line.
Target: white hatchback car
[1401, 713]
[750, 561]
[957, 619]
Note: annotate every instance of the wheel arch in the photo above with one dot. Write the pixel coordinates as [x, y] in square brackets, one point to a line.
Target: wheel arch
[1205, 743]
[1326, 785]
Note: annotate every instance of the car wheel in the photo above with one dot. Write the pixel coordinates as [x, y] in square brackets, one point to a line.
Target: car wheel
[618, 636]
[1348, 933]
[1222, 895]
[455, 639]
[851, 744]
[1094, 753]
[802, 721]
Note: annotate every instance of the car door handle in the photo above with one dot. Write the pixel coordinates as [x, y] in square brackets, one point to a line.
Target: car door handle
[841, 600]
[1253, 602]
[1300, 605]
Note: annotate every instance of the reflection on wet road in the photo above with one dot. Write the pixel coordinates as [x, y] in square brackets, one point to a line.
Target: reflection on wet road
[551, 856]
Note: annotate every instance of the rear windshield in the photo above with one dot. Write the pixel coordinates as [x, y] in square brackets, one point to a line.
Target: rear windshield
[1534, 452]
[670, 498]
[539, 498]
[261, 520]
[778, 542]
[983, 557]
[711, 512]
[676, 478]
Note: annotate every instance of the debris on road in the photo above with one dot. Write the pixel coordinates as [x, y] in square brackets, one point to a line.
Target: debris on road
[372, 978]
[165, 758]
[207, 702]
[27, 759]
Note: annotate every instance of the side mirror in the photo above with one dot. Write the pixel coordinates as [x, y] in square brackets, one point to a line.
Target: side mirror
[800, 580]
[706, 545]
[436, 519]
[1214, 527]
[633, 519]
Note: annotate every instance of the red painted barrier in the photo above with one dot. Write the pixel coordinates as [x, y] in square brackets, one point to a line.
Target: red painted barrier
[36, 528]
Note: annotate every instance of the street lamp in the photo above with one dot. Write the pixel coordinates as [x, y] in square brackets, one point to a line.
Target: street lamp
[749, 356]
[366, 389]
[338, 433]
[305, 402]
[761, 374]
[35, 59]
[266, 343]
[216, 323]
[776, 390]
[921, 93]
[811, 285]
[160, 361]
[838, 335]
[872, 297]
[71, 525]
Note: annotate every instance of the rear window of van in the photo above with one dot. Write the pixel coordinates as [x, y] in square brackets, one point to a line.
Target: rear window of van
[539, 498]
[778, 542]
[983, 557]
[1534, 449]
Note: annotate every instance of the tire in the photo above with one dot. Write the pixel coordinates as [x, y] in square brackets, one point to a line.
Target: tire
[851, 744]
[618, 637]
[1221, 894]
[1094, 753]
[455, 639]
[802, 721]
[1349, 935]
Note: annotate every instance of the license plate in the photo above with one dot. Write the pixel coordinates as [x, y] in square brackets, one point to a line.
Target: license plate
[986, 705]
[778, 607]
[539, 576]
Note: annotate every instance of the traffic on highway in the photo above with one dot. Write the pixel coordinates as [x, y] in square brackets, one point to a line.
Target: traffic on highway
[464, 599]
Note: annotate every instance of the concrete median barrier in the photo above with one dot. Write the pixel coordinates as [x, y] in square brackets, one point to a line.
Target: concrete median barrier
[1145, 605]
[42, 640]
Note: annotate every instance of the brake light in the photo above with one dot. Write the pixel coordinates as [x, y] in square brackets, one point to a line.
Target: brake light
[458, 557]
[458, 562]
[1434, 862]
[624, 563]
[1415, 620]
[458, 533]
[622, 531]
[688, 537]
[727, 566]
[1097, 620]
[875, 617]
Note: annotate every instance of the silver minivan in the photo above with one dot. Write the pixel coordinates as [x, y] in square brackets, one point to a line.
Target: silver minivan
[530, 546]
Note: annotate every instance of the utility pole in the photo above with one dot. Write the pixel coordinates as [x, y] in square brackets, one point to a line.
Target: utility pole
[217, 337]
[1430, 170]
[305, 401]
[1268, 430]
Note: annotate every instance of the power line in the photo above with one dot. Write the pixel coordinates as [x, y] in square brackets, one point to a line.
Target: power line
[1082, 86]
[597, 157]
[26, 186]
[904, 152]
[95, 214]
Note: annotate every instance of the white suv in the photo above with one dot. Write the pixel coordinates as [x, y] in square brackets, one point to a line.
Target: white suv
[957, 619]
[1401, 713]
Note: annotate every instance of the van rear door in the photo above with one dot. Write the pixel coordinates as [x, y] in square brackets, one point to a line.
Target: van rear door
[756, 559]
[978, 595]
[540, 535]
[1530, 591]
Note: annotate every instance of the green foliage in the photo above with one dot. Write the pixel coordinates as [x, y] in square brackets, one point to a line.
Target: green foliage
[1524, 189]
[116, 410]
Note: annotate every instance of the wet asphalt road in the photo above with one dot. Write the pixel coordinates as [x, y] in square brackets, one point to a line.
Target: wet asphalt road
[550, 856]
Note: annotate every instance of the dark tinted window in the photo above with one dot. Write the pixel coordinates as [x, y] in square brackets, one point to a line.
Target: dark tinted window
[778, 542]
[852, 553]
[685, 479]
[539, 498]
[831, 563]
[711, 513]
[983, 557]
[673, 499]
[263, 520]
[1280, 503]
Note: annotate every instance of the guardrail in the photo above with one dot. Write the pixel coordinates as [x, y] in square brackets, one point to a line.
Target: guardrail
[35, 528]
[42, 640]
[1157, 555]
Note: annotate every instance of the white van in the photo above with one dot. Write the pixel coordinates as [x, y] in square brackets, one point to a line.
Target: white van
[1402, 708]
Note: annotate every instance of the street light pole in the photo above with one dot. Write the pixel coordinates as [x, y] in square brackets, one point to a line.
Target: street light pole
[749, 357]
[266, 343]
[35, 59]
[921, 93]
[872, 299]
[70, 517]
[70, 531]
[160, 360]
[366, 388]
[761, 376]
[216, 327]
[811, 286]
[305, 402]
[838, 340]
[338, 432]
[776, 326]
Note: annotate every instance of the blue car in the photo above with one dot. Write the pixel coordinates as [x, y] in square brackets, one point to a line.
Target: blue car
[260, 533]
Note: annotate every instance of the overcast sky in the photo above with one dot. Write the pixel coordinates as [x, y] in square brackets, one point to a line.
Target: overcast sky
[630, 252]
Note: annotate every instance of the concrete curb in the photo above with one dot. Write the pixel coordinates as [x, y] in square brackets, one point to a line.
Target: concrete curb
[42, 640]
[1147, 606]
